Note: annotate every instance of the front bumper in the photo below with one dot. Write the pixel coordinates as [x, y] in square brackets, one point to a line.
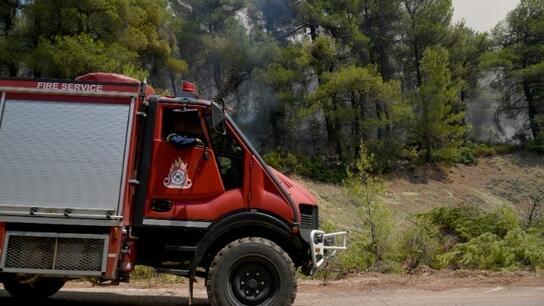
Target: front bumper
[325, 245]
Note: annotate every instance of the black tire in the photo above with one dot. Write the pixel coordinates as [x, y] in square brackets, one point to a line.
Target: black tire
[37, 289]
[252, 271]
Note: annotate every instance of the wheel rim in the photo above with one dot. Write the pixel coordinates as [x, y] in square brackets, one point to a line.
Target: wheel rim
[253, 280]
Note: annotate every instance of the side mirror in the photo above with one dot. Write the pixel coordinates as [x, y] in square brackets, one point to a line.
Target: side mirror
[218, 117]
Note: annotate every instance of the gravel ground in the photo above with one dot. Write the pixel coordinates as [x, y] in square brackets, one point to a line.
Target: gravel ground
[448, 288]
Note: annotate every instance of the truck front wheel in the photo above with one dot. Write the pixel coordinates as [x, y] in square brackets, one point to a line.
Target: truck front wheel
[252, 271]
[32, 287]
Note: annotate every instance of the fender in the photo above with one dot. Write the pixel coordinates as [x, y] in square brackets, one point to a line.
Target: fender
[235, 222]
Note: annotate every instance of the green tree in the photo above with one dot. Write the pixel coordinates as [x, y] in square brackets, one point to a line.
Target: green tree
[466, 49]
[438, 126]
[289, 79]
[67, 38]
[11, 46]
[381, 21]
[275, 18]
[426, 24]
[212, 38]
[364, 190]
[519, 62]
[301, 69]
[350, 97]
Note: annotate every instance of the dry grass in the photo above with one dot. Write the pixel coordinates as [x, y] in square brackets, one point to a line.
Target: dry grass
[495, 181]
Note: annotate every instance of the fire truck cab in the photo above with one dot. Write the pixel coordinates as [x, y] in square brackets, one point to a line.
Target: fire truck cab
[99, 174]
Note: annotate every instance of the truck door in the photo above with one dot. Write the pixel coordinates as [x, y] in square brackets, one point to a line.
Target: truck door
[187, 179]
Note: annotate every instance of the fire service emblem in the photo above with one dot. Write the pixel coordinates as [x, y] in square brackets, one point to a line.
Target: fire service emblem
[178, 178]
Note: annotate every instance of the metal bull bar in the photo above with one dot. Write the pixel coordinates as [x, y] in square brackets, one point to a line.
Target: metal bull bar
[325, 245]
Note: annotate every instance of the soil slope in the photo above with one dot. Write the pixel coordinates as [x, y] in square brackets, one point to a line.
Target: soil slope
[508, 180]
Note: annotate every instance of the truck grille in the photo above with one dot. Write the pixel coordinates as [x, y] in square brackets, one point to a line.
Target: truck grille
[308, 216]
[54, 253]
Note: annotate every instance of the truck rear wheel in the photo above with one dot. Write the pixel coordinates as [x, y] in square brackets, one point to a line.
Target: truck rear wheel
[252, 271]
[33, 288]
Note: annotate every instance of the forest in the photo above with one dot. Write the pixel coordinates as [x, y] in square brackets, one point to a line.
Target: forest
[313, 82]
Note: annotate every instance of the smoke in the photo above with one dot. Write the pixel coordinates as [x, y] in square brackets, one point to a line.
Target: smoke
[487, 125]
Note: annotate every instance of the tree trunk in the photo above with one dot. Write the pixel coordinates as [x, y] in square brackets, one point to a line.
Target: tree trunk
[428, 154]
[417, 65]
[380, 116]
[313, 32]
[533, 108]
[12, 69]
[174, 85]
[218, 75]
[337, 129]
[277, 131]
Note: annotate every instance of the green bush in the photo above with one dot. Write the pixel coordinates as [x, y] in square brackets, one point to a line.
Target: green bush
[357, 256]
[316, 167]
[491, 252]
[467, 222]
[466, 157]
[446, 155]
[447, 237]
[387, 154]
[487, 149]
[469, 153]
[420, 244]
[486, 240]
[537, 144]
[484, 252]
[287, 162]
[364, 190]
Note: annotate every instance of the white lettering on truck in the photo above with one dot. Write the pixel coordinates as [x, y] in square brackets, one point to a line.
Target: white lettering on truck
[70, 86]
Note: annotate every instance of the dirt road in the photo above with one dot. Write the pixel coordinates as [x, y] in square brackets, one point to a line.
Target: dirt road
[473, 289]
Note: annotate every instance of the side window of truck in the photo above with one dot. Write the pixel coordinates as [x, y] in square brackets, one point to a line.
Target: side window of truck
[186, 123]
[230, 157]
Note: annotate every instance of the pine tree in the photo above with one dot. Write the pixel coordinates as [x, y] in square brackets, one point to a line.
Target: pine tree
[519, 63]
[68, 38]
[426, 24]
[438, 126]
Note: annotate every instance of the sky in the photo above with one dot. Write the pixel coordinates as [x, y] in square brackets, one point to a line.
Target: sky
[482, 15]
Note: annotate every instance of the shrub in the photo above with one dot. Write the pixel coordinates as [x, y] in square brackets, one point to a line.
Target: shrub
[446, 155]
[315, 167]
[487, 240]
[448, 237]
[470, 152]
[387, 153]
[537, 144]
[364, 190]
[468, 222]
[487, 149]
[357, 256]
[287, 162]
[484, 252]
[489, 252]
[466, 157]
[420, 244]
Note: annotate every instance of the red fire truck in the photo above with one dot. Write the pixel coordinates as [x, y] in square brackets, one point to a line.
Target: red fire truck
[91, 185]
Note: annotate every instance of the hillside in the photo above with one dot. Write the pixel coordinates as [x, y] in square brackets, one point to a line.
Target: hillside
[494, 181]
